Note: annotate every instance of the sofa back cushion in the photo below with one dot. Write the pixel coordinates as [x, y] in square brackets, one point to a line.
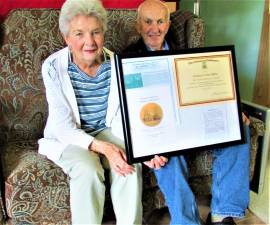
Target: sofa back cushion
[28, 37]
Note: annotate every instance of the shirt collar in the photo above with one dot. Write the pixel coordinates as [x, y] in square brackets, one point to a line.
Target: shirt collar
[164, 47]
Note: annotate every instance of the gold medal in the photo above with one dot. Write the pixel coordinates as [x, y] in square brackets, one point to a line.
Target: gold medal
[151, 114]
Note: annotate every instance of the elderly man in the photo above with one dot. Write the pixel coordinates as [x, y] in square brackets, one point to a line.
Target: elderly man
[230, 185]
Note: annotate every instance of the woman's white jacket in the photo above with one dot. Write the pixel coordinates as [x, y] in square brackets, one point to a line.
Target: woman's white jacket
[63, 123]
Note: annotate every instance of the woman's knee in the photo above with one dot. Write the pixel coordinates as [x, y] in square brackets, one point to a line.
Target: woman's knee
[88, 168]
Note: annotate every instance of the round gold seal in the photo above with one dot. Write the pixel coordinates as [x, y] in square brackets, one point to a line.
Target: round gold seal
[151, 114]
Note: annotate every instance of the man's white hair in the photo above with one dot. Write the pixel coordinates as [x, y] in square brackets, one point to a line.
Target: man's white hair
[139, 10]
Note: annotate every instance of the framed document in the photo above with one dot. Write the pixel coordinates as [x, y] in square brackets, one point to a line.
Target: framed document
[178, 101]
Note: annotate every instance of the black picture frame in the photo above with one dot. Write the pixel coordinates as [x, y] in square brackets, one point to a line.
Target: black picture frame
[119, 60]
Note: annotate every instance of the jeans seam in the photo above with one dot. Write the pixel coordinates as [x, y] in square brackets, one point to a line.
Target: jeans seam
[226, 214]
[217, 191]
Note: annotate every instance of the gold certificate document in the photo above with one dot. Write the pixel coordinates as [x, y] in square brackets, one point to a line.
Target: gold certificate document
[205, 78]
[177, 102]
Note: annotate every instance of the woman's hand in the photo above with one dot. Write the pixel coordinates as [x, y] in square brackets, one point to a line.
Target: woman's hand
[115, 155]
[157, 162]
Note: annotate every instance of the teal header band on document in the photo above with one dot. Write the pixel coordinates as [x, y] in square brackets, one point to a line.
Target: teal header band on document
[133, 81]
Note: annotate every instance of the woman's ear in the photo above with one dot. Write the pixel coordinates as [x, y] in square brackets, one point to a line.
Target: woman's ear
[65, 37]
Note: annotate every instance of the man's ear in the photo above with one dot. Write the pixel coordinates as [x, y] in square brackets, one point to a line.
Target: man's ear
[138, 27]
[169, 24]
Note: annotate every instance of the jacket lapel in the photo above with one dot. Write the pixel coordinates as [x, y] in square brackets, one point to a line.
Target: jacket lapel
[67, 86]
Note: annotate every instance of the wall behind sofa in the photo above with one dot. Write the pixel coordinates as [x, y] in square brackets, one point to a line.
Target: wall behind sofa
[237, 22]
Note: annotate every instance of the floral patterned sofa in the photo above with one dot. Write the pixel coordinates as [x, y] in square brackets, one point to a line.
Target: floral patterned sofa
[33, 189]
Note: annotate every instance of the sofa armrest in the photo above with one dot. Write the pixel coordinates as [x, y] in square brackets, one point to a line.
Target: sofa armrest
[2, 192]
[257, 129]
[186, 30]
[2, 217]
[195, 32]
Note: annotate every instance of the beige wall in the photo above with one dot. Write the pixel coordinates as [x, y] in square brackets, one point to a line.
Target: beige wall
[236, 22]
[259, 203]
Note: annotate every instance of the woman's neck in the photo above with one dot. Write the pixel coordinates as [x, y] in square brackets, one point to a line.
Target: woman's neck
[89, 68]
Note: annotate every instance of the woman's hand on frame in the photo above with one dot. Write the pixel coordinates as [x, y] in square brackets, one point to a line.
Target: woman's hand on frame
[115, 155]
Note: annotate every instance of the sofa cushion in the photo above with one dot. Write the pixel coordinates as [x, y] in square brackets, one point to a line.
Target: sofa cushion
[22, 99]
[121, 29]
[2, 198]
[178, 26]
[257, 130]
[36, 188]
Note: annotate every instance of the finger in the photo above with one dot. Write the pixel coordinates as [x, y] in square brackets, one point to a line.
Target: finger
[152, 163]
[156, 164]
[164, 159]
[127, 168]
[125, 171]
[124, 167]
[118, 171]
[115, 165]
[159, 161]
[123, 164]
[123, 154]
[245, 119]
[148, 163]
[124, 158]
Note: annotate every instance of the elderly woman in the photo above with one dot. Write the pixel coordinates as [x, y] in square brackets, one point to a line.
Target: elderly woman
[77, 136]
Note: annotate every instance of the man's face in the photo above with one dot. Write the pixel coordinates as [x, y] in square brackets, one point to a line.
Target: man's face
[153, 24]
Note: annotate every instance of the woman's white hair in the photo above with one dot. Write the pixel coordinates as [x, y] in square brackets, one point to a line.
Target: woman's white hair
[72, 8]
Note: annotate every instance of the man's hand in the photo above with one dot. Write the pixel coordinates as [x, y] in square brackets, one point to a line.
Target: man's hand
[157, 162]
[115, 155]
[245, 119]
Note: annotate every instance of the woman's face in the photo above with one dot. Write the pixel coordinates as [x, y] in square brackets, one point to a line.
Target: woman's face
[85, 39]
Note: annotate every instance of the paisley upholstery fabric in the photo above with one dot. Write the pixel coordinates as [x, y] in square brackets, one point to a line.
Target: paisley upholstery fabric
[35, 185]
[177, 28]
[36, 190]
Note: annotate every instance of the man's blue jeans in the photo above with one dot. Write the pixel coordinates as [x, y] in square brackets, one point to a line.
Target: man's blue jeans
[230, 185]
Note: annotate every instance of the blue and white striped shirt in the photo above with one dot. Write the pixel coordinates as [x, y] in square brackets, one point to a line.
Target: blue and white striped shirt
[92, 96]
